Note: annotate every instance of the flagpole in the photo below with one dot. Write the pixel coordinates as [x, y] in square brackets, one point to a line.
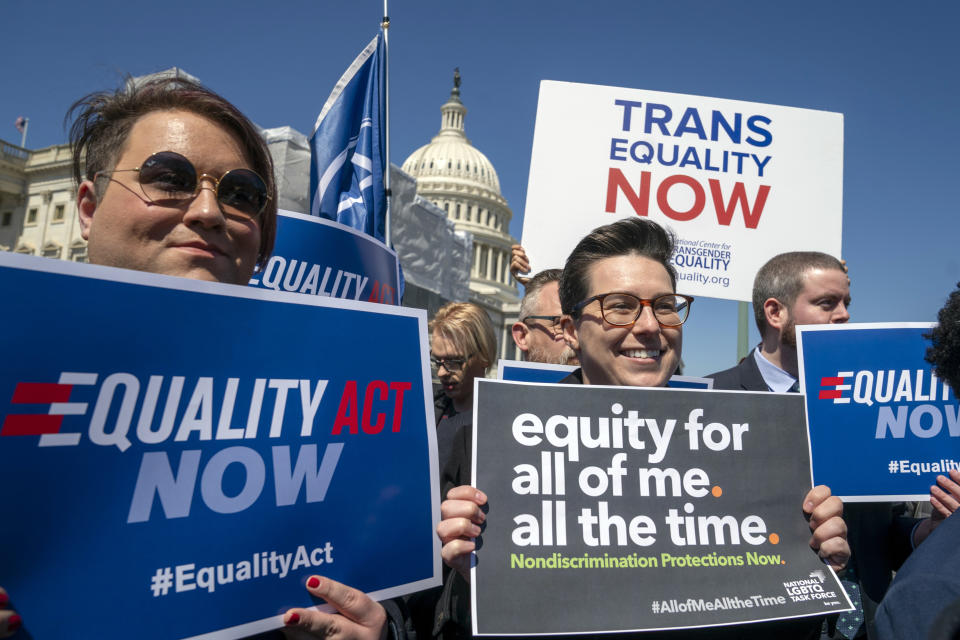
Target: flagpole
[385, 26]
[26, 123]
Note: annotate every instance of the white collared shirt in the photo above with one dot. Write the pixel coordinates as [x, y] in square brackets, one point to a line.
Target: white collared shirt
[776, 378]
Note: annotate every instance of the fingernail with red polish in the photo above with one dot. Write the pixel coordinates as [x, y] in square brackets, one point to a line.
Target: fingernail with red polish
[313, 582]
[4, 599]
[294, 619]
[14, 622]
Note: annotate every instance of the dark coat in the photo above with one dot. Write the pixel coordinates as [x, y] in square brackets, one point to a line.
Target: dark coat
[926, 585]
[743, 377]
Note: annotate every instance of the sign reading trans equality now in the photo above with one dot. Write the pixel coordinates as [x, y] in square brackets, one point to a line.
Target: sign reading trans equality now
[184, 454]
[739, 182]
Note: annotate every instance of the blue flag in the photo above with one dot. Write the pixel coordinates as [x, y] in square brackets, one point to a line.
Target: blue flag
[347, 147]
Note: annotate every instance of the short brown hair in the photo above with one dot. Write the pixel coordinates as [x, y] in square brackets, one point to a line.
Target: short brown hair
[102, 121]
[782, 278]
[630, 236]
[468, 327]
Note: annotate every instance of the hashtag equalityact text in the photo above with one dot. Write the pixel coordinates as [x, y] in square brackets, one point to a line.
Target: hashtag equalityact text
[263, 564]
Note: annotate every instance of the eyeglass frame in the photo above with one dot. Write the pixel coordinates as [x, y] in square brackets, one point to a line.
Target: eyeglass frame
[554, 322]
[199, 186]
[644, 302]
[442, 362]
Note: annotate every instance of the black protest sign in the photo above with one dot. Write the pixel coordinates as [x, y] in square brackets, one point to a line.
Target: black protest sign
[668, 508]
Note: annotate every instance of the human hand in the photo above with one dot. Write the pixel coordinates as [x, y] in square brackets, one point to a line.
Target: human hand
[358, 616]
[10, 621]
[519, 263]
[461, 518]
[945, 496]
[825, 515]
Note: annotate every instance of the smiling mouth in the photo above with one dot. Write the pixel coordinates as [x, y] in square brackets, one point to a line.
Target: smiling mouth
[200, 248]
[641, 353]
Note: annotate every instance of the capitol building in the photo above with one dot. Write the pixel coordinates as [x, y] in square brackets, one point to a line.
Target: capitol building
[455, 176]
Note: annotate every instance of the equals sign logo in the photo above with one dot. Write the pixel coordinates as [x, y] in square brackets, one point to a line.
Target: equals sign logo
[47, 425]
[832, 387]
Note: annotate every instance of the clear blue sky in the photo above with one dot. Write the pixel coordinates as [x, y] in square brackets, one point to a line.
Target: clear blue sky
[892, 69]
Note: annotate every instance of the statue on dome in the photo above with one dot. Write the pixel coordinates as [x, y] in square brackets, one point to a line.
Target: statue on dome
[456, 77]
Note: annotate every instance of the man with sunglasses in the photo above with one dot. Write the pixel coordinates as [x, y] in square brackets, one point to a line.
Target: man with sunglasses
[623, 318]
[175, 180]
[538, 333]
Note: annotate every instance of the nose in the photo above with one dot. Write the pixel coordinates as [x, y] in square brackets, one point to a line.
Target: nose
[646, 322]
[204, 209]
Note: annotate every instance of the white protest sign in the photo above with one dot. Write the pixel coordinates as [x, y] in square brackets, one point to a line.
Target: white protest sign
[739, 182]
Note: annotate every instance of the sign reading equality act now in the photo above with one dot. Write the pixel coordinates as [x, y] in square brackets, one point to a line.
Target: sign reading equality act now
[739, 182]
[671, 508]
[185, 454]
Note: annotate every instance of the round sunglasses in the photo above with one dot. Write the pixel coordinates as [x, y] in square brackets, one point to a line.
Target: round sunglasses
[168, 178]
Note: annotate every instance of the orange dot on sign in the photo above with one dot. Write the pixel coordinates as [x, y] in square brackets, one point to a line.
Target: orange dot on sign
[774, 538]
[717, 492]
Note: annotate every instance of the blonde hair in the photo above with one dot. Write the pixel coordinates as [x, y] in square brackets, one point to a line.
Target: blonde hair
[468, 327]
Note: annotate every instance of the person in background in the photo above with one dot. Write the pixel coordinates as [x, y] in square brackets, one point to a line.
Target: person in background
[462, 346]
[537, 333]
[809, 287]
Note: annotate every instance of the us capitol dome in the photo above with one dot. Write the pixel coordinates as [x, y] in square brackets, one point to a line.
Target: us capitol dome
[458, 178]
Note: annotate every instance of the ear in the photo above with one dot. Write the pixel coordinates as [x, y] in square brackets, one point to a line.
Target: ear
[570, 334]
[87, 203]
[520, 332]
[776, 313]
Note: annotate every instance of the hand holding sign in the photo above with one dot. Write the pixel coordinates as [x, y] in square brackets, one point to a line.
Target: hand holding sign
[358, 617]
[829, 538]
[461, 518]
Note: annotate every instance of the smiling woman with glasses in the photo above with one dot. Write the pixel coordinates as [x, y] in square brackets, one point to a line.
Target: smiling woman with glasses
[624, 319]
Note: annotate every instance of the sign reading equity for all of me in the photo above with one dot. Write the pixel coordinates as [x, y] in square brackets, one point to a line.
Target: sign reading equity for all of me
[198, 449]
[678, 508]
[869, 390]
[739, 182]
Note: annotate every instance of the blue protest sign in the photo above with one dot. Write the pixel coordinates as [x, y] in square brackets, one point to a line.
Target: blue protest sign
[320, 257]
[882, 426]
[523, 371]
[183, 454]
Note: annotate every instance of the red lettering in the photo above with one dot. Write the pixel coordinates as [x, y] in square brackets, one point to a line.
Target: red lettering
[751, 216]
[616, 180]
[386, 294]
[374, 292]
[699, 198]
[376, 385]
[399, 387]
[347, 411]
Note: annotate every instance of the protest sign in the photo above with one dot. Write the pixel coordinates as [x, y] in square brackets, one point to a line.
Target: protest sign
[321, 257]
[882, 425]
[739, 182]
[523, 371]
[673, 508]
[183, 454]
